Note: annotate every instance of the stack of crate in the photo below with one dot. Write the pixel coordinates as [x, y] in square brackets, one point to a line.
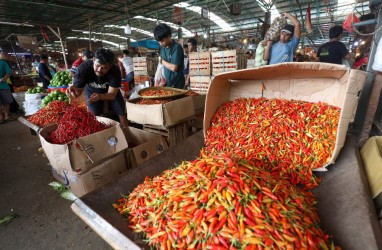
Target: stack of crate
[140, 70]
[223, 61]
[200, 71]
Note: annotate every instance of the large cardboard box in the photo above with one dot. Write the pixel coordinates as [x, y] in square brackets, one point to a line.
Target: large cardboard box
[103, 173]
[142, 146]
[166, 115]
[86, 152]
[199, 103]
[314, 82]
[371, 154]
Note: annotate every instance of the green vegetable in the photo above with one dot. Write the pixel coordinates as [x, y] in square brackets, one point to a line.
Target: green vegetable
[8, 219]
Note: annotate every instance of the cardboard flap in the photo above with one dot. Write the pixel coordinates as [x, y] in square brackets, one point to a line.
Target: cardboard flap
[144, 114]
[371, 154]
[96, 146]
[179, 110]
[58, 156]
[148, 150]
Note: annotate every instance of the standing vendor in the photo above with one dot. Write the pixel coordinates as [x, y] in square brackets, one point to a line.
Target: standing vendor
[43, 71]
[171, 56]
[101, 79]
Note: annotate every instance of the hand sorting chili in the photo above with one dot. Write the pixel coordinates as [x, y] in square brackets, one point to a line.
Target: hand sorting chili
[75, 123]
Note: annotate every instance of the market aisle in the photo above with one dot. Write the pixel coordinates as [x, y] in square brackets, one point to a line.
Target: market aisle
[46, 220]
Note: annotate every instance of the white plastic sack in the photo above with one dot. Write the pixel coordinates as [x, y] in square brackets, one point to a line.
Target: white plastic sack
[377, 64]
[29, 97]
[135, 90]
[32, 103]
[20, 98]
[159, 79]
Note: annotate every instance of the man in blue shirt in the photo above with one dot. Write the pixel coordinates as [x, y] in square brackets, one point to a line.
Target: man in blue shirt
[43, 71]
[171, 56]
[283, 50]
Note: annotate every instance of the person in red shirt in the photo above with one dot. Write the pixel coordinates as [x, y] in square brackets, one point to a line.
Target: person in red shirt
[86, 55]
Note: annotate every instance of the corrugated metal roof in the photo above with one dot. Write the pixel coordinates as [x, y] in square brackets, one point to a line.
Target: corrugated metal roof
[106, 19]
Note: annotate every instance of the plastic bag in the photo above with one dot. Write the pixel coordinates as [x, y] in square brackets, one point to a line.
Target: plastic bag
[159, 79]
[347, 24]
[377, 64]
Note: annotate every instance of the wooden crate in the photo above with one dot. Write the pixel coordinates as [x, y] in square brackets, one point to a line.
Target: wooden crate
[173, 135]
[200, 84]
[140, 79]
[223, 61]
[241, 59]
[140, 66]
[200, 63]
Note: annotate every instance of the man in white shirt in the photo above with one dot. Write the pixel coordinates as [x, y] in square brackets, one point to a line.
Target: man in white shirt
[127, 62]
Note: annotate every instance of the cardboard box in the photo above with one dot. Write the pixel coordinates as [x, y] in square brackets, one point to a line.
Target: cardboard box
[371, 154]
[199, 103]
[86, 152]
[314, 82]
[165, 115]
[103, 173]
[142, 146]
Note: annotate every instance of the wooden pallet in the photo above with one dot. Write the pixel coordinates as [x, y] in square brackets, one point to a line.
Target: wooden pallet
[223, 61]
[140, 79]
[173, 135]
[200, 63]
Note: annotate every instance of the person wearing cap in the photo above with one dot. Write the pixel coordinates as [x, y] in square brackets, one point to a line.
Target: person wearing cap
[128, 65]
[101, 79]
[43, 71]
[171, 56]
[334, 50]
[283, 50]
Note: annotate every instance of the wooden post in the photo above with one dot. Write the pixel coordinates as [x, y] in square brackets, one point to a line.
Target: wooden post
[58, 34]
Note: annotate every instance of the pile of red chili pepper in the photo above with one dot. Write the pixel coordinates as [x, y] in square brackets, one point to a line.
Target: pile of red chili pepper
[219, 203]
[75, 123]
[153, 101]
[295, 136]
[158, 92]
[50, 114]
[191, 93]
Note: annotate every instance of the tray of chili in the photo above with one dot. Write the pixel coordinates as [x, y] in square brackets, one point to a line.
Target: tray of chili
[161, 93]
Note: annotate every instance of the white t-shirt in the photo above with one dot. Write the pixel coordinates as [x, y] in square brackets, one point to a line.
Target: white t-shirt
[128, 64]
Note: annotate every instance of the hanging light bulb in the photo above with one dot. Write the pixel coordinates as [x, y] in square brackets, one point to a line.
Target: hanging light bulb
[128, 29]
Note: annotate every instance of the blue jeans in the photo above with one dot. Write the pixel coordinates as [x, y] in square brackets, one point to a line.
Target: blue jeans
[130, 79]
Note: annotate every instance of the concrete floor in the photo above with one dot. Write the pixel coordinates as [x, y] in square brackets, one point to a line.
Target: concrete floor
[45, 220]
